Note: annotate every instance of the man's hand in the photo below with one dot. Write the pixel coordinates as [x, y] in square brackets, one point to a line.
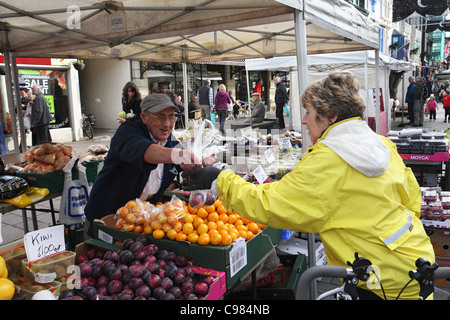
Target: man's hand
[188, 160]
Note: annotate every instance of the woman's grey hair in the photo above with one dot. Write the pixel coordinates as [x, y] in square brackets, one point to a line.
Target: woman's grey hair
[335, 95]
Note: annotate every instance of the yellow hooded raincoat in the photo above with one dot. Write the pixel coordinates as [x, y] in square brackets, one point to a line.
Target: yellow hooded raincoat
[353, 189]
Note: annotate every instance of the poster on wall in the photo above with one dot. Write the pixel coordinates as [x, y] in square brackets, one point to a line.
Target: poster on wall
[53, 85]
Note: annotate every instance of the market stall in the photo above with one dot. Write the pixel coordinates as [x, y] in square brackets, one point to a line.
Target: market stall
[186, 31]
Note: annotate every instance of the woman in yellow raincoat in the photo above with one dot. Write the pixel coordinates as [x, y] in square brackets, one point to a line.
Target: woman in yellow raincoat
[351, 187]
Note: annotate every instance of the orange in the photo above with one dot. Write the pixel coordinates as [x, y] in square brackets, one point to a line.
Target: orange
[188, 227]
[158, 234]
[217, 203]
[177, 203]
[172, 219]
[216, 239]
[168, 208]
[123, 211]
[162, 218]
[221, 209]
[253, 227]
[127, 227]
[238, 223]
[226, 240]
[166, 227]
[223, 217]
[148, 229]
[130, 218]
[210, 208]
[203, 239]
[120, 222]
[221, 225]
[171, 234]
[213, 216]
[178, 226]
[234, 234]
[156, 225]
[138, 229]
[191, 210]
[202, 213]
[181, 236]
[241, 227]
[131, 204]
[192, 237]
[202, 228]
[140, 219]
[188, 218]
[232, 218]
[197, 221]
[250, 235]
[211, 225]
[212, 232]
[243, 234]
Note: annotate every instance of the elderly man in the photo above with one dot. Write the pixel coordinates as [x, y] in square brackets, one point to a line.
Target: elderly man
[40, 117]
[258, 109]
[143, 159]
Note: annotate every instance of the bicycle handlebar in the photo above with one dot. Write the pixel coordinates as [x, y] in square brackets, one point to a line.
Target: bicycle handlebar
[312, 273]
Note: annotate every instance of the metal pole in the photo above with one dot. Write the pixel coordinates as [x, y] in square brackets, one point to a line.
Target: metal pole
[5, 45]
[185, 93]
[377, 90]
[302, 73]
[23, 136]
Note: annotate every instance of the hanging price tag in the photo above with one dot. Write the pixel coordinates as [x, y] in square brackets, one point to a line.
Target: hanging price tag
[259, 174]
[45, 242]
[284, 142]
[269, 156]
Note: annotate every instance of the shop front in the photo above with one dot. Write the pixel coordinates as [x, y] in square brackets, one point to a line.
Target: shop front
[59, 88]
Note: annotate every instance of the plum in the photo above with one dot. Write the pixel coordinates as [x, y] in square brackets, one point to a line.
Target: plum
[76, 298]
[126, 277]
[136, 270]
[179, 278]
[97, 272]
[81, 258]
[136, 246]
[153, 268]
[126, 257]
[209, 280]
[66, 294]
[176, 291]
[140, 256]
[111, 255]
[210, 198]
[84, 282]
[145, 275]
[125, 296]
[85, 269]
[90, 293]
[126, 244]
[158, 292]
[167, 296]
[115, 274]
[162, 273]
[151, 249]
[135, 283]
[196, 199]
[201, 288]
[190, 296]
[90, 254]
[107, 265]
[142, 239]
[102, 281]
[150, 258]
[171, 271]
[181, 261]
[154, 281]
[102, 291]
[140, 298]
[114, 287]
[189, 271]
[143, 291]
[166, 283]
[187, 287]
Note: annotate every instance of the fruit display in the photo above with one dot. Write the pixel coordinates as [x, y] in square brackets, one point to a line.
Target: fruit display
[12, 256]
[435, 204]
[199, 222]
[49, 268]
[139, 270]
[47, 157]
[7, 289]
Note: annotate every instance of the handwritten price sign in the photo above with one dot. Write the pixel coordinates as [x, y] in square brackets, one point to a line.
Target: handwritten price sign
[45, 242]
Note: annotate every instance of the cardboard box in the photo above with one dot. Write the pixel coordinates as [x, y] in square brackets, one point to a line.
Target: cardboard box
[213, 257]
[440, 239]
[218, 287]
[442, 262]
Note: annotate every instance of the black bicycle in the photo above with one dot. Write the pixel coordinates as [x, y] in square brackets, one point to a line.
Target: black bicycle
[88, 123]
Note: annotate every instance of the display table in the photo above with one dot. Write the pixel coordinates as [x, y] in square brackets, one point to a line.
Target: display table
[6, 207]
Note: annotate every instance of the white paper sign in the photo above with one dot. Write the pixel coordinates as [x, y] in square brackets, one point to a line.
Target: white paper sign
[44, 242]
[259, 174]
[284, 142]
[269, 156]
[238, 256]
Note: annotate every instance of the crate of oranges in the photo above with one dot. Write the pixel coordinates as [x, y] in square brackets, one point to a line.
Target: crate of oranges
[180, 221]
